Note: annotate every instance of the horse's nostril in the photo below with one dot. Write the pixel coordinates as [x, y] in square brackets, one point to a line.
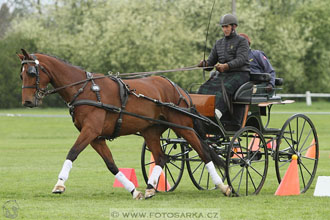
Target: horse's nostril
[28, 104]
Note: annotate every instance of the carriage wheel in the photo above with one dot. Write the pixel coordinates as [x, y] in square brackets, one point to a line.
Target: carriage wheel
[247, 162]
[175, 160]
[197, 169]
[298, 136]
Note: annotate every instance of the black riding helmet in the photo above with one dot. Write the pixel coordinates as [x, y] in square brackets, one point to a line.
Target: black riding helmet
[228, 19]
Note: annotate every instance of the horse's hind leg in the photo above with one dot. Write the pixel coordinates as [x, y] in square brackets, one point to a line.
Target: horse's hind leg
[102, 149]
[152, 138]
[197, 145]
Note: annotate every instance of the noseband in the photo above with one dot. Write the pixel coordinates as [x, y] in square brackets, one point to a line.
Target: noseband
[33, 71]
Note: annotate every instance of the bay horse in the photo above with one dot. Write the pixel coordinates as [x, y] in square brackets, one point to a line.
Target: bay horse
[103, 106]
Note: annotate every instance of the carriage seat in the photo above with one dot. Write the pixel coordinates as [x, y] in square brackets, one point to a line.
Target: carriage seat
[254, 91]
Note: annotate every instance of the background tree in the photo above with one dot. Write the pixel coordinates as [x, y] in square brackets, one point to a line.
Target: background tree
[145, 35]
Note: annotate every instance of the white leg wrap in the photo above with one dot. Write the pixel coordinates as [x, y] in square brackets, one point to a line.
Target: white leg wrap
[60, 182]
[129, 186]
[153, 179]
[213, 173]
[64, 174]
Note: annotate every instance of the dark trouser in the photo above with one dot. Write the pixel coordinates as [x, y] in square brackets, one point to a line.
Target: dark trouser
[232, 81]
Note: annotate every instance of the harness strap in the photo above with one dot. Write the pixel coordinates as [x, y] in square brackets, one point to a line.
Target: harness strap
[178, 91]
[118, 110]
[123, 94]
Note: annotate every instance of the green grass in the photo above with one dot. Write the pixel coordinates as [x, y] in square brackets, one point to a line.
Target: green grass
[32, 151]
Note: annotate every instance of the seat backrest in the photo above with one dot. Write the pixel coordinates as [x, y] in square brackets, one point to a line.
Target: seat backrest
[244, 93]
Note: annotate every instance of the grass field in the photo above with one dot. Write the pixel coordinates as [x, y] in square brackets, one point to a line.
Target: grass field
[33, 149]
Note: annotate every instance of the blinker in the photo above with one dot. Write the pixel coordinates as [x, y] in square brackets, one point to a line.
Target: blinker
[32, 71]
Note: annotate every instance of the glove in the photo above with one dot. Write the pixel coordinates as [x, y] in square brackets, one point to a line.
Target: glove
[203, 63]
[222, 67]
[269, 88]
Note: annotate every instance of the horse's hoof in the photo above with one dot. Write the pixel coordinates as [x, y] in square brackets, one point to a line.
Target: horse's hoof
[58, 189]
[149, 193]
[228, 191]
[137, 195]
[225, 189]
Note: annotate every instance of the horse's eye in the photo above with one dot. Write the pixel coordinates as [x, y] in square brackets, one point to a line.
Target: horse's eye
[32, 71]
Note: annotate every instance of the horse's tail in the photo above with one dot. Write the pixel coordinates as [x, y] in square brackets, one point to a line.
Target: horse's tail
[200, 129]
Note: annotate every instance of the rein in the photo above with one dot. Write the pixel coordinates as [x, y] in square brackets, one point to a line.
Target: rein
[126, 76]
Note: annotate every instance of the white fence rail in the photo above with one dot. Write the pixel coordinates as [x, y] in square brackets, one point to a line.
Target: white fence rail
[308, 95]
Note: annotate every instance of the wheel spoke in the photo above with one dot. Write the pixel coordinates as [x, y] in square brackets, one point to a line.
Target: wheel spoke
[255, 153]
[254, 186]
[233, 179]
[170, 174]
[247, 182]
[301, 133]
[200, 178]
[292, 140]
[257, 161]
[310, 131]
[290, 145]
[308, 158]
[305, 168]
[175, 165]
[302, 175]
[256, 171]
[297, 133]
[285, 162]
[197, 167]
[146, 164]
[240, 181]
[173, 146]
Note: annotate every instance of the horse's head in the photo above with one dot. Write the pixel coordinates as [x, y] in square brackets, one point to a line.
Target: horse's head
[33, 82]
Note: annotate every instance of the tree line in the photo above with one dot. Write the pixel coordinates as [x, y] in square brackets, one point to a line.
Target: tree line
[146, 35]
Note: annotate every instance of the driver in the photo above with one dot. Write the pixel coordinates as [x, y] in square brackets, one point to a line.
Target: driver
[229, 56]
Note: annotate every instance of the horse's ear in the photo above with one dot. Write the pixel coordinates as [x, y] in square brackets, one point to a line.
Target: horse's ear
[20, 56]
[26, 54]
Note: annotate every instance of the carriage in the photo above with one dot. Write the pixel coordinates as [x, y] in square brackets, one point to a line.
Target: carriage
[246, 147]
[106, 106]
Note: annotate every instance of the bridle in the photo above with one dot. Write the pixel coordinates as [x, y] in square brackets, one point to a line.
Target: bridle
[33, 71]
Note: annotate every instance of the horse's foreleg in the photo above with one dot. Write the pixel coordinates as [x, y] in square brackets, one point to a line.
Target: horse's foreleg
[197, 145]
[152, 138]
[85, 137]
[102, 149]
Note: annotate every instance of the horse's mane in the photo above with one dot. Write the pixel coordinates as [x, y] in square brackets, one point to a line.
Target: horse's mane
[62, 60]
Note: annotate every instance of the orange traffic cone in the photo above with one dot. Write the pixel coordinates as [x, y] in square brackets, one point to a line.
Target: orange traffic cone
[161, 181]
[290, 182]
[311, 152]
[254, 144]
[271, 145]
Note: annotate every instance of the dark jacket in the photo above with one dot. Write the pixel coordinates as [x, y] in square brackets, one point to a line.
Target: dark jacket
[233, 50]
[260, 64]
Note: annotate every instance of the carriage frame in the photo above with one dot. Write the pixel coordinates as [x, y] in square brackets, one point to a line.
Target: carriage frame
[245, 148]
